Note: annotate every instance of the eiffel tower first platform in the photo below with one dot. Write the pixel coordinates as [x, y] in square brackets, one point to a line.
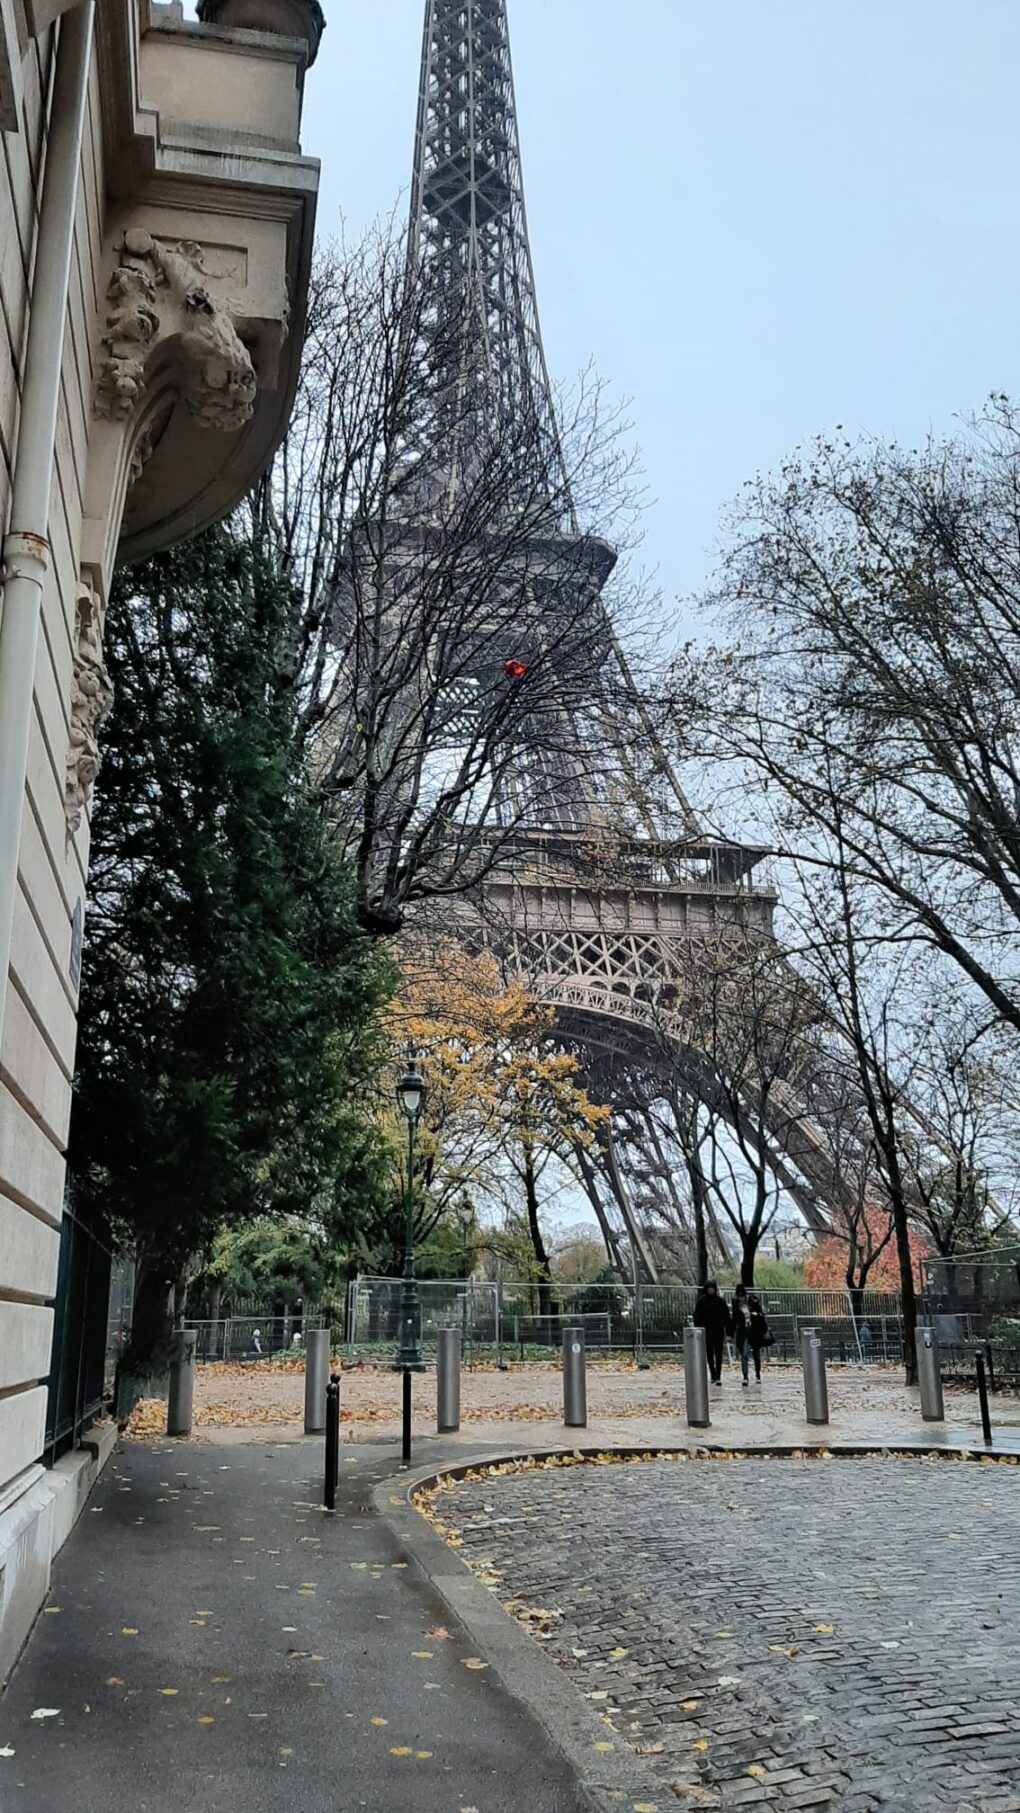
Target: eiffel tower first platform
[596, 909]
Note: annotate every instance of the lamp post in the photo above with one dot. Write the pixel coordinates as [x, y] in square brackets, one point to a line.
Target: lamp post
[410, 1095]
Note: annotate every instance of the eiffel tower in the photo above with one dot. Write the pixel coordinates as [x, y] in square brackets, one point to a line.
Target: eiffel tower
[604, 942]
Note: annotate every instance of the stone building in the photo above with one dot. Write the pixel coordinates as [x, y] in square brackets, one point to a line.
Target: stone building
[156, 221]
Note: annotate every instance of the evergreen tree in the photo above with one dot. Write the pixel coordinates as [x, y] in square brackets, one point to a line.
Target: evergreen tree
[228, 1013]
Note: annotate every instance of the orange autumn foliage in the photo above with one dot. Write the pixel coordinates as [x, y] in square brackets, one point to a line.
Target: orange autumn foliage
[826, 1268]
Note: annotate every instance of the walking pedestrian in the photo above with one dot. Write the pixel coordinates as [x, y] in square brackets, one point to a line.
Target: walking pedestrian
[711, 1314]
[751, 1331]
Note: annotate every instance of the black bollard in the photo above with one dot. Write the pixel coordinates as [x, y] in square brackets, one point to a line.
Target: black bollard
[405, 1420]
[332, 1442]
[982, 1390]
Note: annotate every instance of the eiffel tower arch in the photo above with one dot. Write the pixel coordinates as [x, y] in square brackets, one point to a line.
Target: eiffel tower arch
[598, 902]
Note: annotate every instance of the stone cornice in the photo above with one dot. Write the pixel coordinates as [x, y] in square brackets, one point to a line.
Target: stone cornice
[167, 177]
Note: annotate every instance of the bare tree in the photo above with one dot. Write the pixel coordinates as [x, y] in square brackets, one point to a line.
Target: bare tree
[861, 1223]
[731, 1037]
[960, 1145]
[870, 691]
[862, 980]
[452, 647]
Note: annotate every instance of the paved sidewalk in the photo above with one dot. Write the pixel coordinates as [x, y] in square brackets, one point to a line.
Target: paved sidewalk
[523, 1408]
[215, 1643]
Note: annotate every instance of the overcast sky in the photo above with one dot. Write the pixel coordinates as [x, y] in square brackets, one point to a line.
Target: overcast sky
[760, 218]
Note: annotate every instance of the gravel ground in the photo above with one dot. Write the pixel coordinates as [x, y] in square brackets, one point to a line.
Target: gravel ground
[242, 1396]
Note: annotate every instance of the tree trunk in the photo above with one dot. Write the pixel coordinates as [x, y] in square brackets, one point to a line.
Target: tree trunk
[748, 1255]
[700, 1232]
[152, 1320]
[535, 1230]
[907, 1290]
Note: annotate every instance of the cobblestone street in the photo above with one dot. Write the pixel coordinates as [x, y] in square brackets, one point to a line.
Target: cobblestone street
[798, 1634]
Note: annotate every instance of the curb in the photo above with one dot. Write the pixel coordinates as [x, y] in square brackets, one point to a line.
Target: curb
[517, 1661]
[522, 1667]
[700, 1450]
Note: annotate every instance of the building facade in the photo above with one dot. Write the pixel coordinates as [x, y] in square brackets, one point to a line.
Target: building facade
[156, 218]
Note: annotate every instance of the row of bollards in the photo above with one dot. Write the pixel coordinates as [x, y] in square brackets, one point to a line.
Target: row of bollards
[816, 1392]
[322, 1390]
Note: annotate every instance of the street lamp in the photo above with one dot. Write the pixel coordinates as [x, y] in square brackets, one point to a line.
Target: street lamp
[410, 1096]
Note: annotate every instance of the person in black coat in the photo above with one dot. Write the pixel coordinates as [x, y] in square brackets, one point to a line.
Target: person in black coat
[711, 1314]
[750, 1330]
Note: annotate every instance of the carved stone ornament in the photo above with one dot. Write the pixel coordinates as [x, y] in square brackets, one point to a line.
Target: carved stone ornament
[91, 699]
[157, 293]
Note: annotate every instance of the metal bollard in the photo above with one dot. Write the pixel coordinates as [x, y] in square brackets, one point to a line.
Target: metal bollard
[316, 1376]
[448, 1380]
[332, 1442]
[182, 1383]
[696, 1378]
[982, 1391]
[816, 1393]
[929, 1376]
[575, 1388]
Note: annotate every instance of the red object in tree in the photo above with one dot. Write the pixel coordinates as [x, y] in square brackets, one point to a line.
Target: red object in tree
[515, 670]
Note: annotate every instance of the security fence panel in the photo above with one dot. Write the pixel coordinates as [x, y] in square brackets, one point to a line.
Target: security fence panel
[250, 1338]
[513, 1322]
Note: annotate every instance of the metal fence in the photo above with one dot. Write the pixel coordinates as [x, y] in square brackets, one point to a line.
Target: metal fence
[973, 1302]
[509, 1322]
[984, 1288]
[251, 1337]
[91, 1318]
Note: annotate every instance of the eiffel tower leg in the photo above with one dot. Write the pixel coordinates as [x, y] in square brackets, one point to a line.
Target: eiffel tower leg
[609, 1233]
[681, 1217]
[619, 1189]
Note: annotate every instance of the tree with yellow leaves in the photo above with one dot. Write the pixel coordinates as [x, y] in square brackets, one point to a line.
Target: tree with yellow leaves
[503, 1096]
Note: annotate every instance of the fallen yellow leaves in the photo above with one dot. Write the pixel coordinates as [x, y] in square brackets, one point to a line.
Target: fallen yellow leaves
[826, 1629]
[379, 1722]
[400, 1749]
[129, 1630]
[169, 1693]
[113, 1681]
[474, 1662]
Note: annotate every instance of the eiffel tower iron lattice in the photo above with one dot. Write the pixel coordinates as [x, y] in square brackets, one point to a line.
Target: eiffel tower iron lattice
[598, 905]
